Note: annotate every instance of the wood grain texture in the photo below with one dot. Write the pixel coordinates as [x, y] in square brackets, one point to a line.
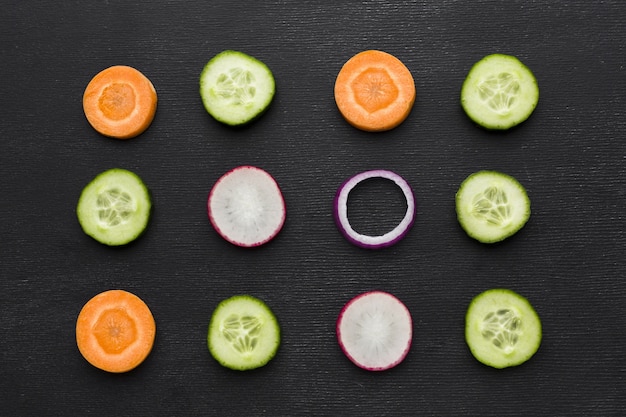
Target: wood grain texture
[568, 260]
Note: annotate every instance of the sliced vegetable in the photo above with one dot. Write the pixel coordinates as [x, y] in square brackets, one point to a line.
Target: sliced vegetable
[499, 92]
[243, 333]
[236, 88]
[120, 102]
[373, 242]
[374, 91]
[502, 328]
[115, 331]
[114, 208]
[492, 206]
[246, 206]
[375, 330]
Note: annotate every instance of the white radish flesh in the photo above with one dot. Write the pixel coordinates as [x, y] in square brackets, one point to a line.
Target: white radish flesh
[375, 330]
[246, 206]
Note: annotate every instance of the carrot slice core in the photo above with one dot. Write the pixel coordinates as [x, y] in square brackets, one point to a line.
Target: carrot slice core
[115, 330]
[117, 101]
[374, 89]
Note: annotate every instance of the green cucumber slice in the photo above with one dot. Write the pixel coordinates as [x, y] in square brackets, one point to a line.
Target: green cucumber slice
[502, 328]
[499, 92]
[491, 206]
[243, 333]
[236, 88]
[114, 208]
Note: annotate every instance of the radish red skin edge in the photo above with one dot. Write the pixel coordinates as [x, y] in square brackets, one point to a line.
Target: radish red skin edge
[246, 206]
[375, 330]
[373, 242]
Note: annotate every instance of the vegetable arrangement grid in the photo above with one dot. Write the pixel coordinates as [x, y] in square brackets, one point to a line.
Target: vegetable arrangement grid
[567, 259]
[374, 92]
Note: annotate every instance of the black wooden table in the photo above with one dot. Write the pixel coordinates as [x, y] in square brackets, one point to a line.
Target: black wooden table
[568, 260]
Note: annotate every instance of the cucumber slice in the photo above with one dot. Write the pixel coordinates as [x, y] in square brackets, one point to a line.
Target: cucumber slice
[114, 208]
[502, 328]
[491, 206]
[243, 333]
[499, 92]
[236, 88]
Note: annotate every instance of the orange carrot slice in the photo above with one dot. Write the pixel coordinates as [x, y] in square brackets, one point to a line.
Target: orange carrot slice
[120, 102]
[115, 331]
[374, 91]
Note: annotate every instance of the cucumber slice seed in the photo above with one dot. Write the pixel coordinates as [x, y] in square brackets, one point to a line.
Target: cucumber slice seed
[243, 333]
[502, 329]
[114, 208]
[236, 88]
[499, 92]
[491, 206]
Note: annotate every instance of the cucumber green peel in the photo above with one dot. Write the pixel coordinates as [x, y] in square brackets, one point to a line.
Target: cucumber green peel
[499, 92]
[502, 329]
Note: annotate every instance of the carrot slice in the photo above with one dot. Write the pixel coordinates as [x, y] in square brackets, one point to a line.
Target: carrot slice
[120, 102]
[374, 91]
[115, 331]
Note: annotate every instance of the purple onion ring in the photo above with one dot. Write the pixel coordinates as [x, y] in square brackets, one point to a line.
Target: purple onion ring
[373, 242]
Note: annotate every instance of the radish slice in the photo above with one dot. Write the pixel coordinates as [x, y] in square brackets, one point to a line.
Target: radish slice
[373, 242]
[246, 206]
[375, 330]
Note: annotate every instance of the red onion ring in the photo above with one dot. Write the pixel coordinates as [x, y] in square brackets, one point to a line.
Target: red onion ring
[366, 241]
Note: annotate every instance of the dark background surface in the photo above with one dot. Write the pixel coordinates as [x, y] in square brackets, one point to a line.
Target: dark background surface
[568, 260]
